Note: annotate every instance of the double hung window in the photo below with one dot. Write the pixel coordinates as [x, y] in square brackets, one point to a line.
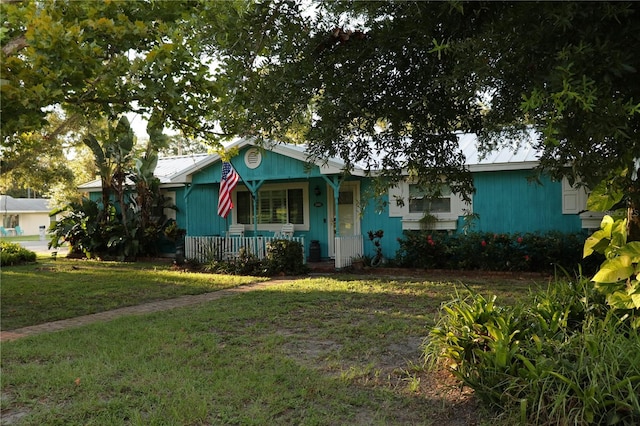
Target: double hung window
[420, 202]
[275, 206]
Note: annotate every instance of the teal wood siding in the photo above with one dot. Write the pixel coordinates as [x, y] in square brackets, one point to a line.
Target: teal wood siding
[318, 220]
[202, 211]
[181, 213]
[373, 220]
[273, 167]
[95, 196]
[508, 203]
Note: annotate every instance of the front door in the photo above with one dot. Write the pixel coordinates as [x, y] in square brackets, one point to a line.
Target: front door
[348, 218]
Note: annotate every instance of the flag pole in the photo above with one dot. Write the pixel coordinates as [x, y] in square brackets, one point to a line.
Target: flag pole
[253, 190]
[254, 198]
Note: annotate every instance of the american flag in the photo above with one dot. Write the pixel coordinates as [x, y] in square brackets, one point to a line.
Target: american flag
[227, 183]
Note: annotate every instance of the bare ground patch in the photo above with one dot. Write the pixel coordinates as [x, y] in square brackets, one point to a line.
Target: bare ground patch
[397, 367]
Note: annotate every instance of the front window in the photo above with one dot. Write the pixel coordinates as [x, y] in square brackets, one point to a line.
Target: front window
[420, 202]
[10, 221]
[275, 206]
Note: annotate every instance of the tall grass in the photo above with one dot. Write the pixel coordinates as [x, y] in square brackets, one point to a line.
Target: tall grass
[560, 357]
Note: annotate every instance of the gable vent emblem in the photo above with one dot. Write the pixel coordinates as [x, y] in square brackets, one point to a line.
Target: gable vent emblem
[252, 158]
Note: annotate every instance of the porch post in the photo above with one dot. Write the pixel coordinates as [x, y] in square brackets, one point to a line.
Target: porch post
[253, 187]
[335, 181]
[186, 203]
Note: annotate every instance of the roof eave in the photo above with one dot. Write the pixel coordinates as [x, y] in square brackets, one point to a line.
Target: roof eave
[497, 167]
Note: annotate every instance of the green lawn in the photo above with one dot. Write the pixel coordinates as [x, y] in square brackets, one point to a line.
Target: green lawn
[18, 238]
[52, 290]
[317, 351]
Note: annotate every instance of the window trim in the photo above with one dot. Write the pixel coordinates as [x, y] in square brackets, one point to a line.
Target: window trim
[574, 198]
[275, 227]
[574, 201]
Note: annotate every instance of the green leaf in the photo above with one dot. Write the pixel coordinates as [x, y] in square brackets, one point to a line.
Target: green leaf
[607, 224]
[635, 300]
[632, 250]
[620, 300]
[619, 233]
[603, 197]
[597, 242]
[614, 270]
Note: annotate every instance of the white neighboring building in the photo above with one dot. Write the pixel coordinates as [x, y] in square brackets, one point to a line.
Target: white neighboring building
[29, 214]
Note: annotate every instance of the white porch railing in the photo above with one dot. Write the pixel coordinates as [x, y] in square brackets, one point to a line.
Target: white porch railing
[204, 249]
[347, 248]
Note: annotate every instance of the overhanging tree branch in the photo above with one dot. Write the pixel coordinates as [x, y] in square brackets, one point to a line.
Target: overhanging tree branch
[15, 45]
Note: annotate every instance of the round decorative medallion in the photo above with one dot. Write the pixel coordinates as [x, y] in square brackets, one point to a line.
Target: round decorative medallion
[252, 158]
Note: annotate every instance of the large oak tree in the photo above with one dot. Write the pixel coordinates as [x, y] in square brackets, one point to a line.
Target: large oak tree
[395, 80]
[387, 84]
[98, 60]
[102, 58]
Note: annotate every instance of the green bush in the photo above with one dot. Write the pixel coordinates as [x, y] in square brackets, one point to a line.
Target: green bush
[14, 254]
[285, 257]
[618, 277]
[560, 357]
[95, 231]
[493, 252]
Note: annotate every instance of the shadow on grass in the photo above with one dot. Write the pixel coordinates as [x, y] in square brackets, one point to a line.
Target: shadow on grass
[53, 290]
[309, 351]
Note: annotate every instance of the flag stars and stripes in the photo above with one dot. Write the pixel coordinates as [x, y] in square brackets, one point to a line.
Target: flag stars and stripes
[227, 183]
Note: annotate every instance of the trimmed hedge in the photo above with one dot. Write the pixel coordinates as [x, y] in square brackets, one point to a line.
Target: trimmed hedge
[494, 252]
[15, 254]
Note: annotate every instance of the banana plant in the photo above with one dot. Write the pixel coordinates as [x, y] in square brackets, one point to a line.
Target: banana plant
[112, 157]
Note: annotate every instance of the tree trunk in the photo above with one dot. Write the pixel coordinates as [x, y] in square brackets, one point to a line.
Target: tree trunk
[633, 220]
[106, 200]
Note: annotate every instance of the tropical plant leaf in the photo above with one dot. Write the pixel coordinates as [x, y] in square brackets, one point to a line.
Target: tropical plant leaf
[620, 300]
[603, 197]
[614, 270]
[632, 250]
[597, 242]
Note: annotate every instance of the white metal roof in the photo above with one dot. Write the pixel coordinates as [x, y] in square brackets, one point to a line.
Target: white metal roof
[514, 155]
[8, 204]
[169, 170]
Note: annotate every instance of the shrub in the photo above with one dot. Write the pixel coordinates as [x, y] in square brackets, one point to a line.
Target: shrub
[493, 252]
[560, 357]
[14, 254]
[96, 231]
[619, 275]
[285, 257]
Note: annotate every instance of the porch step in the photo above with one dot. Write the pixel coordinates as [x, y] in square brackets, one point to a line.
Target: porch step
[322, 266]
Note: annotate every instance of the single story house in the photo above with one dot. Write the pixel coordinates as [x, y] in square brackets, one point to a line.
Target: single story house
[332, 214]
[24, 216]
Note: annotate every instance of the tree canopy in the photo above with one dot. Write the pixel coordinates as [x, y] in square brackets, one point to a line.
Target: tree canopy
[102, 59]
[387, 84]
[87, 62]
[397, 80]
